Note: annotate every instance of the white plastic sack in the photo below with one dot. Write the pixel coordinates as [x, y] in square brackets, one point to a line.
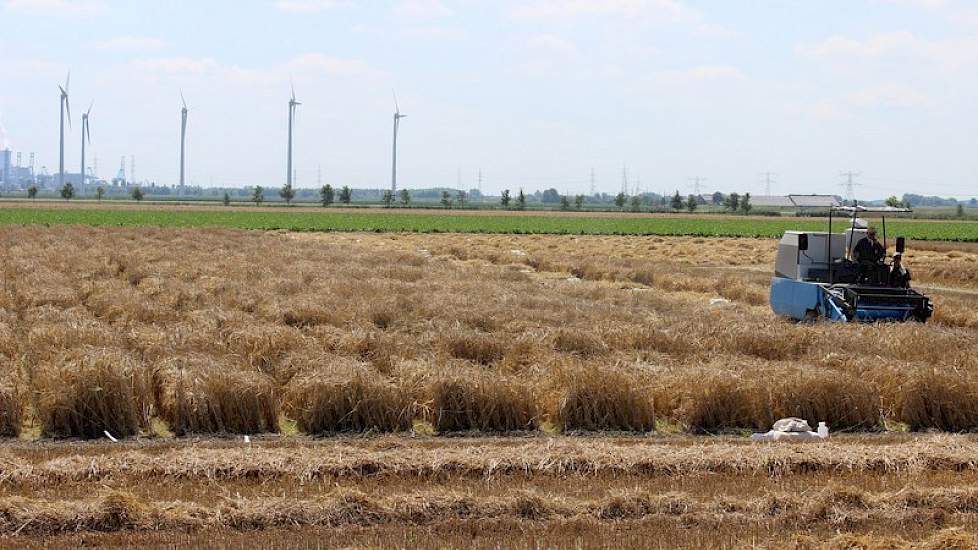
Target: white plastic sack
[792, 424]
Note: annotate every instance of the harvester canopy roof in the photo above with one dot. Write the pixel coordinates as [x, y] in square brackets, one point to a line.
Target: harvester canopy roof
[813, 201]
[880, 209]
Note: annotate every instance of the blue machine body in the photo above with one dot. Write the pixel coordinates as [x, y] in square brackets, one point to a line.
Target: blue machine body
[802, 300]
[807, 300]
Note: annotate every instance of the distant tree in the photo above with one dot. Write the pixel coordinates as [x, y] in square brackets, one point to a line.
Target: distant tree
[620, 199]
[521, 200]
[461, 197]
[446, 199]
[287, 193]
[327, 195]
[973, 202]
[893, 201]
[717, 198]
[960, 210]
[505, 199]
[388, 198]
[346, 195]
[137, 193]
[405, 197]
[227, 199]
[733, 202]
[636, 204]
[68, 191]
[551, 196]
[258, 195]
[691, 203]
[32, 192]
[564, 202]
[99, 193]
[579, 202]
[677, 201]
[745, 204]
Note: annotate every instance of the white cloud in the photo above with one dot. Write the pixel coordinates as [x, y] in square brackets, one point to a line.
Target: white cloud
[311, 65]
[130, 43]
[177, 66]
[888, 95]
[306, 6]
[315, 64]
[952, 52]
[33, 68]
[705, 72]
[424, 9]
[668, 9]
[59, 8]
[549, 43]
[435, 33]
[926, 4]
[825, 109]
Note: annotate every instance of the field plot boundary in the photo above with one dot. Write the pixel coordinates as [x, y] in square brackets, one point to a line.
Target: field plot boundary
[452, 222]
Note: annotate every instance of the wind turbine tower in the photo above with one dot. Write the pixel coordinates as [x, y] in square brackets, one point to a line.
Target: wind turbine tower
[64, 107]
[183, 140]
[397, 123]
[292, 105]
[86, 136]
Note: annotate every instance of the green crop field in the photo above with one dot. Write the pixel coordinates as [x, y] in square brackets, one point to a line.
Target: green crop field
[384, 221]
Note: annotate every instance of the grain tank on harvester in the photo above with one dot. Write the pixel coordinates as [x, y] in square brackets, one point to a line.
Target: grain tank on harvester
[816, 275]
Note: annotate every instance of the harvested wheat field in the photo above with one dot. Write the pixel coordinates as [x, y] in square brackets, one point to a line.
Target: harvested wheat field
[467, 391]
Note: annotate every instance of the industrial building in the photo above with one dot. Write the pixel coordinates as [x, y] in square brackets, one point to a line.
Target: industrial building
[5, 166]
[13, 174]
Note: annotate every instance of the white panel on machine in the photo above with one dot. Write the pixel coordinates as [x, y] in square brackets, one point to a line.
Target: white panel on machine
[792, 263]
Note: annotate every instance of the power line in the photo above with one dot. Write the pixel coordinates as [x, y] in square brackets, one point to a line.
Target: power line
[767, 182]
[697, 180]
[850, 185]
[593, 188]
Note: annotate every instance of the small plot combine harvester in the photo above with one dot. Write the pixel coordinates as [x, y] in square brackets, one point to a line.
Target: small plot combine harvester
[815, 276]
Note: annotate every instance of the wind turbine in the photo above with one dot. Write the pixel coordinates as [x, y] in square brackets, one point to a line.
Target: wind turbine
[86, 135]
[64, 107]
[292, 105]
[397, 123]
[183, 139]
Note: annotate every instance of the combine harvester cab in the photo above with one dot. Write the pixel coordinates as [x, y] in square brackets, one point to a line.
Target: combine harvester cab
[815, 277]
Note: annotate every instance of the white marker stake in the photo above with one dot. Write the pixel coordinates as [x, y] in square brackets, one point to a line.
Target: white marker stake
[108, 435]
[247, 439]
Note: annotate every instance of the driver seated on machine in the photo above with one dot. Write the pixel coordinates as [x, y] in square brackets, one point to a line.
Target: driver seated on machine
[899, 275]
[869, 254]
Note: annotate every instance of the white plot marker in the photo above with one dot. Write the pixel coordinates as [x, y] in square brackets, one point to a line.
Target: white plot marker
[108, 435]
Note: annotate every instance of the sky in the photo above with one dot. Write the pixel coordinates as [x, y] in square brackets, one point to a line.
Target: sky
[533, 94]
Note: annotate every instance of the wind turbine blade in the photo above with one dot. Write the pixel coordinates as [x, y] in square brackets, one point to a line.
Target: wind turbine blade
[88, 131]
[68, 108]
[89, 111]
[292, 85]
[68, 82]
[184, 101]
[396, 108]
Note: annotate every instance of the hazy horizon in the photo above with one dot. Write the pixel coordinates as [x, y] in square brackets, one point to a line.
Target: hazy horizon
[535, 94]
